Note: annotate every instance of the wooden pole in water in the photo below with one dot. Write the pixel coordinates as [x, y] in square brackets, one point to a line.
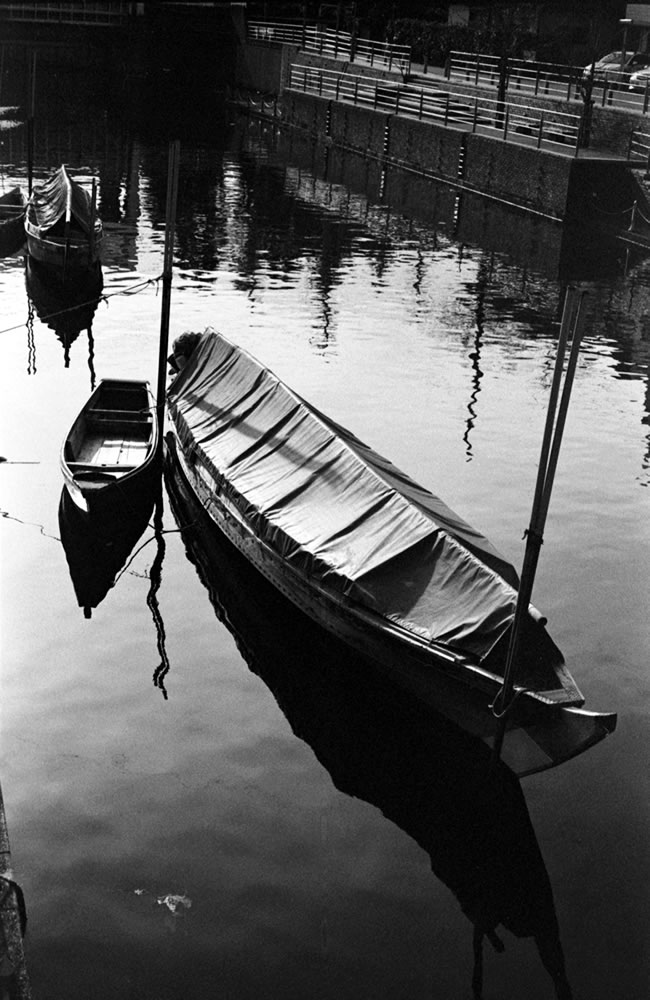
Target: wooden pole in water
[93, 215]
[30, 126]
[168, 260]
[572, 320]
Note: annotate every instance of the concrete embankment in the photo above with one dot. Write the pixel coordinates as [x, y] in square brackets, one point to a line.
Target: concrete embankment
[545, 182]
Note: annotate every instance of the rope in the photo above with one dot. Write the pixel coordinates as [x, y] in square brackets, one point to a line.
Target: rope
[29, 524]
[102, 298]
[499, 713]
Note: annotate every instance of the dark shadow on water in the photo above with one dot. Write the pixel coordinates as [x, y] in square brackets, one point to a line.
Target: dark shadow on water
[66, 307]
[97, 547]
[383, 747]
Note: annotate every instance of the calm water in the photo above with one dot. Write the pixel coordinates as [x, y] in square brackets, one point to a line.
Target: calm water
[191, 838]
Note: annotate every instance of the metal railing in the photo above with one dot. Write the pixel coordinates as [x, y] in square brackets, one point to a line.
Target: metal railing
[639, 148]
[549, 79]
[477, 113]
[520, 74]
[97, 14]
[336, 44]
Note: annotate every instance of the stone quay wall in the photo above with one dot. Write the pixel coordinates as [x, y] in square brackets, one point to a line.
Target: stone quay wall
[516, 175]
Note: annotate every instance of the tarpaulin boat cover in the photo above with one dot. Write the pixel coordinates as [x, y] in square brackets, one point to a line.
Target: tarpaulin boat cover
[334, 509]
[51, 202]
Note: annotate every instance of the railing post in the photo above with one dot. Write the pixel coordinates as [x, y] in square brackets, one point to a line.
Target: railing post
[356, 91]
[505, 124]
[646, 97]
[447, 109]
[540, 134]
[338, 85]
[475, 121]
[536, 83]
[421, 104]
[372, 54]
[397, 102]
[478, 69]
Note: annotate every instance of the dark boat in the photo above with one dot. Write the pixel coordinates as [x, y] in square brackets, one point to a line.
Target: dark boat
[97, 547]
[67, 307]
[371, 556]
[61, 224]
[12, 221]
[383, 746]
[111, 450]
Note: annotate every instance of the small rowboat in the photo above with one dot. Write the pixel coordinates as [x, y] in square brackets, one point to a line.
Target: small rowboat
[12, 220]
[61, 224]
[111, 450]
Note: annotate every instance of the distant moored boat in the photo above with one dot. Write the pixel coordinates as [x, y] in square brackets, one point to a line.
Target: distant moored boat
[61, 224]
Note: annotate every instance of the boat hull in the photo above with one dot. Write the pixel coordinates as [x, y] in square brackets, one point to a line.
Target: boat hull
[61, 255]
[538, 735]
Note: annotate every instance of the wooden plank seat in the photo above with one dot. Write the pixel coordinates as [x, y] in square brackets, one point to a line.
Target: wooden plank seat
[99, 467]
[136, 416]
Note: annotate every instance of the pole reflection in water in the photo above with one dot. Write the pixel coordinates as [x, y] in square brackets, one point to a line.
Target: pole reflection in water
[67, 307]
[475, 356]
[383, 747]
[155, 577]
[31, 345]
[98, 546]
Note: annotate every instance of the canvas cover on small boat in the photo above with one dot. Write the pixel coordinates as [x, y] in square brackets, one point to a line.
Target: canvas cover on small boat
[333, 508]
[51, 201]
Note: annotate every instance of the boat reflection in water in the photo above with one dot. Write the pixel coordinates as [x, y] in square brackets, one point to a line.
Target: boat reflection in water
[67, 305]
[382, 746]
[97, 547]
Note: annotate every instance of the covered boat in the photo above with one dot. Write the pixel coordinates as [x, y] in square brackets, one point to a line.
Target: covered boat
[61, 224]
[371, 555]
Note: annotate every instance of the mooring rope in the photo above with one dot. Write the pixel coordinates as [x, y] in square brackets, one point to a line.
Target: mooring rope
[101, 298]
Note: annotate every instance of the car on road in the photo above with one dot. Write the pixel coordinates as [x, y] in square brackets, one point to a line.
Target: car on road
[617, 68]
[639, 81]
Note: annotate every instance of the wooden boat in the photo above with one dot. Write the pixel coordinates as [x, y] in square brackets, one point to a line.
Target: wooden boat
[12, 221]
[112, 447]
[383, 746]
[370, 555]
[61, 224]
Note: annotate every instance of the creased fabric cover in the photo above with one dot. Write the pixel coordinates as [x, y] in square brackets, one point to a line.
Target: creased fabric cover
[49, 203]
[321, 503]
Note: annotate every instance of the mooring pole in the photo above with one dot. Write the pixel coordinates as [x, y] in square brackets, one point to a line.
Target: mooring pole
[168, 260]
[572, 323]
[93, 216]
[30, 126]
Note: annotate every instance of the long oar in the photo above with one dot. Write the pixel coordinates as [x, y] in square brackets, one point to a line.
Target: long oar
[573, 317]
